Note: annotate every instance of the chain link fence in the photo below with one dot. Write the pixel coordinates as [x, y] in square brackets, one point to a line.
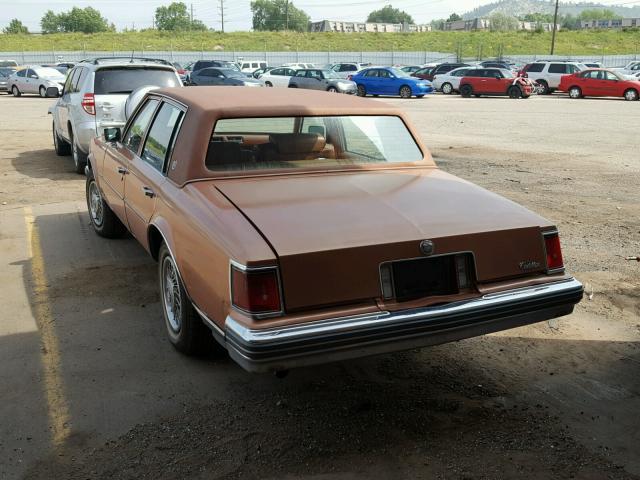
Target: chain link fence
[319, 58]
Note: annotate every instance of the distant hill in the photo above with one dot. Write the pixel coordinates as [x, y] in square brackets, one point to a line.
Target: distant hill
[517, 8]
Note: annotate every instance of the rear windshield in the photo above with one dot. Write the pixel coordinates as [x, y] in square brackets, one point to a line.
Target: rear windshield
[111, 81]
[309, 142]
[8, 63]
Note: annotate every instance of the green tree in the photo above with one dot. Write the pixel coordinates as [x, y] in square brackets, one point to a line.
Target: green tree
[569, 22]
[499, 22]
[278, 15]
[389, 14]
[176, 17]
[454, 17]
[15, 26]
[598, 14]
[85, 20]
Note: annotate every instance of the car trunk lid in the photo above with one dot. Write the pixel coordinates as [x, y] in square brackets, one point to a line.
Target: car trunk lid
[332, 232]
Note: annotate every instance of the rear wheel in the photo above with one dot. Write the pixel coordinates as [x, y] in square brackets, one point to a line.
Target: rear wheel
[514, 92]
[631, 95]
[60, 145]
[332, 90]
[104, 222]
[185, 329]
[466, 90]
[268, 84]
[575, 92]
[362, 92]
[405, 92]
[79, 158]
[447, 88]
[16, 91]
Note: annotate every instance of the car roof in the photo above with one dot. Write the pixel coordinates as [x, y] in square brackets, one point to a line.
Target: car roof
[205, 105]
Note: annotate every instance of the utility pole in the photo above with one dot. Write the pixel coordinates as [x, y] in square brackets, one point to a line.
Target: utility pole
[286, 16]
[555, 28]
[222, 15]
[192, 13]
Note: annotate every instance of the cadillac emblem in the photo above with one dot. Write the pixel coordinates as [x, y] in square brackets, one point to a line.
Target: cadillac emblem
[426, 247]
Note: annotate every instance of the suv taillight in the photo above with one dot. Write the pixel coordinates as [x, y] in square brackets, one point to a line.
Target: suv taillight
[554, 252]
[256, 291]
[89, 103]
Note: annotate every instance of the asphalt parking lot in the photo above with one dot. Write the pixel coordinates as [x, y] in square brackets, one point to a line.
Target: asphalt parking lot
[91, 388]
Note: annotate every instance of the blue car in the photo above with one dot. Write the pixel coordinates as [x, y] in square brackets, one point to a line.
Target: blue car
[390, 81]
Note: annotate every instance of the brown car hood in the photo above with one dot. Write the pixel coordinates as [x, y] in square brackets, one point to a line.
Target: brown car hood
[328, 226]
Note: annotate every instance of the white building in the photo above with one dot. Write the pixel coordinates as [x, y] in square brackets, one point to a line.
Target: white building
[618, 23]
[362, 27]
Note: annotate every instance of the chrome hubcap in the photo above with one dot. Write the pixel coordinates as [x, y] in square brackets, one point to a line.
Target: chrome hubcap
[574, 93]
[446, 88]
[631, 95]
[171, 294]
[95, 205]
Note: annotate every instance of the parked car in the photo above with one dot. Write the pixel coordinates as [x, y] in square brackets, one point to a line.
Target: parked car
[593, 64]
[8, 63]
[450, 82]
[494, 82]
[200, 64]
[35, 79]
[261, 71]
[496, 64]
[390, 81]
[629, 68]
[222, 76]
[94, 97]
[548, 74]
[327, 80]
[250, 66]
[411, 68]
[430, 72]
[600, 83]
[278, 77]
[182, 72]
[5, 73]
[347, 69]
[304, 239]
[299, 65]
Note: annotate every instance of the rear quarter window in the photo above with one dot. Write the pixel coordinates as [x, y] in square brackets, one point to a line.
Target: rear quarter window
[112, 81]
[535, 67]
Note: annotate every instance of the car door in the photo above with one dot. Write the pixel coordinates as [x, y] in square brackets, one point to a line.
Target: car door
[30, 82]
[61, 112]
[372, 81]
[316, 80]
[300, 79]
[147, 171]
[588, 83]
[385, 82]
[119, 156]
[612, 86]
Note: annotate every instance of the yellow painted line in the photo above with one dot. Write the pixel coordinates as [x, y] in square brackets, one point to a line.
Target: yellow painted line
[57, 408]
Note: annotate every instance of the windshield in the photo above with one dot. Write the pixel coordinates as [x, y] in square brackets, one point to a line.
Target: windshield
[233, 74]
[48, 73]
[111, 81]
[330, 74]
[399, 73]
[310, 142]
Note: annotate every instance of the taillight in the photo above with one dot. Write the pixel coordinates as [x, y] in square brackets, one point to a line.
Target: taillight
[89, 103]
[256, 291]
[554, 252]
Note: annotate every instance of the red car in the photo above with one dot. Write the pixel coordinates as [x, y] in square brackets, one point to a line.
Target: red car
[494, 81]
[599, 83]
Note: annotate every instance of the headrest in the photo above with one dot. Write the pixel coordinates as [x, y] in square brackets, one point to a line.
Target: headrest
[298, 142]
[221, 153]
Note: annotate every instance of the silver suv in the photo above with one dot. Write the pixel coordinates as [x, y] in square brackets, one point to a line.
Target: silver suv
[94, 98]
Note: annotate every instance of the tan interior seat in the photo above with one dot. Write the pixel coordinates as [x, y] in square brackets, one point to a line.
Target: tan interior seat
[283, 147]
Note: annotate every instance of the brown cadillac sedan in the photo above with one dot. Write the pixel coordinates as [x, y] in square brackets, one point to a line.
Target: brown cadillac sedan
[302, 227]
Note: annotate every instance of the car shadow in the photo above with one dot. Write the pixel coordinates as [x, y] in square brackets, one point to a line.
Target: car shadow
[490, 407]
[44, 163]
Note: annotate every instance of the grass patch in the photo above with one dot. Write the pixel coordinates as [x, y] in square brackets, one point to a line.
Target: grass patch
[584, 42]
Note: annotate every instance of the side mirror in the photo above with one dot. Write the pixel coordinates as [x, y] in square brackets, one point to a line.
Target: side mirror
[52, 92]
[497, 77]
[112, 134]
[33, 76]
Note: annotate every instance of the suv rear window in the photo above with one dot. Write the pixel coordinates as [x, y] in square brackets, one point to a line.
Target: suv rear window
[111, 81]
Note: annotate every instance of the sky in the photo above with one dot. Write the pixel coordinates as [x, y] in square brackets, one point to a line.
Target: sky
[139, 13]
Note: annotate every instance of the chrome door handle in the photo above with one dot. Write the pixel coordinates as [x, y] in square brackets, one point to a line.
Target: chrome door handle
[148, 192]
[122, 171]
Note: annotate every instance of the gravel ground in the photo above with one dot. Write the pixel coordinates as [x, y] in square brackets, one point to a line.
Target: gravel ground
[553, 400]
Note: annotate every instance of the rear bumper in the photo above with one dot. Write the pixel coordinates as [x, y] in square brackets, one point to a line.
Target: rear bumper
[358, 336]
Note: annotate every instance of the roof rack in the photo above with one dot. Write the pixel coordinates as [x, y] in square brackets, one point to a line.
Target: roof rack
[131, 59]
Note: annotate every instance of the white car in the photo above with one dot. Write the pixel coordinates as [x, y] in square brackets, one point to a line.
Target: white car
[299, 65]
[250, 66]
[35, 79]
[548, 74]
[449, 82]
[278, 77]
[630, 68]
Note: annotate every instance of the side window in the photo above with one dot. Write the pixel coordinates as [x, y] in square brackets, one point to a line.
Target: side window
[572, 69]
[371, 73]
[383, 74]
[135, 134]
[157, 146]
[67, 82]
[315, 74]
[22, 73]
[31, 73]
[610, 76]
[301, 73]
[75, 80]
[557, 68]
[277, 71]
[535, 67]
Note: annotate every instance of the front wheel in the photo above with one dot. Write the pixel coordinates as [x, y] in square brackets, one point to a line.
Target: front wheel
[631, 95]
[405, 92]
[543, 87]
[332, 90]
[447, 88]
[466, 91]
[268, 84]
[575, 92]
[362, 92]
[104, 222]
[43, 92]
[185, 329]
[514, 92]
